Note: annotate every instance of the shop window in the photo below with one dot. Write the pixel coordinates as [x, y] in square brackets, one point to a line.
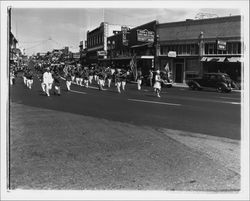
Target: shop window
[188, 49]
[239, 48]
[184, 49]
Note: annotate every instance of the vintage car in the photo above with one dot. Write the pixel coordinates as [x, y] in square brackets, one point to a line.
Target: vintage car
[221, 82]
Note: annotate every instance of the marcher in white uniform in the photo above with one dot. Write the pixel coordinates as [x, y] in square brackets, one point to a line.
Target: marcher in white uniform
[139, 80]
[157, 85]
[48, 81]
[68, 81]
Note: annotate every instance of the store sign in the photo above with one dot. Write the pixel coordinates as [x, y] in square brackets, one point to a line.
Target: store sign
[221, 45]
[172, 54]
[124, 35]
[76, 55]
[102, 53]
[145, 35]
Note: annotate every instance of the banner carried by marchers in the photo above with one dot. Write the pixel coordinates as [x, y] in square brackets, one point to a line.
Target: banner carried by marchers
[133, 66]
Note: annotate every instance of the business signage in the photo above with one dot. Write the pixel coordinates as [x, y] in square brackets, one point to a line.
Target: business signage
[221, 45]
[172, 54]
[102, 53]
[124, 35]
[145, 35]
[76, 55]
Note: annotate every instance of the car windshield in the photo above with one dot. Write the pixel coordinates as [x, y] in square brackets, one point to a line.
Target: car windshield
[225, 78]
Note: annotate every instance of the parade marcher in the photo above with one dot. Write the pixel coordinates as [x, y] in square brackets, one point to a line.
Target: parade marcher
[81, 74]
[109, 78]
[24, 77]
[100, 80]
[77, 76]
[12, 77]
[118, 81]
[139, 79]
[48, 81]
[123, 79]
[29, 77]
[157, 84]
[72, 74]
[86, 78]
[68, 80]
[40, 77]
[57, 83]
[91, 74]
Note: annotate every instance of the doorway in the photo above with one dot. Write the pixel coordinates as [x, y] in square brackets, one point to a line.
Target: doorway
[179, 72]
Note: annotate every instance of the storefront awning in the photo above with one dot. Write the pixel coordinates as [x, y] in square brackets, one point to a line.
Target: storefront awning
[213, 59]
[234, 59]
[142, 45]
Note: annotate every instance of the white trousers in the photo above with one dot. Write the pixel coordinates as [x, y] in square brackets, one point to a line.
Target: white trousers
[109, 83]
[68, 84]
[48, 87]
[118, 85]
[123, 85]
[29, 83]
[139, 84]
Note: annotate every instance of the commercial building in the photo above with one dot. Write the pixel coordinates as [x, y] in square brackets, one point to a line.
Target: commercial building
[193, 47]
[138, 42]
[96, 44]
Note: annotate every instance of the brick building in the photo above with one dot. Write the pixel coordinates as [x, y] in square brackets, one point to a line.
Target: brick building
[193, 47]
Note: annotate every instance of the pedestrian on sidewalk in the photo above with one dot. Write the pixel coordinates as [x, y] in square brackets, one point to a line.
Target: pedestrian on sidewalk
[48, 81]
[157, 84]
[139, 79]
[151, 76]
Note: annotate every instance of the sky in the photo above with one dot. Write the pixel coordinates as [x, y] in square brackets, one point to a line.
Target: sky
[45, 29]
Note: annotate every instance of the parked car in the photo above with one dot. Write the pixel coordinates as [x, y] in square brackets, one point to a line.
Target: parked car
[221, 82]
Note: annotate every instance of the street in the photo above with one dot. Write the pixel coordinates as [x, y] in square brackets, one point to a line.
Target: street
[210, 113]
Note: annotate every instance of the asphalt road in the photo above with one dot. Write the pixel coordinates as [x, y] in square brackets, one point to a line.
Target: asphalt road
[211, 113]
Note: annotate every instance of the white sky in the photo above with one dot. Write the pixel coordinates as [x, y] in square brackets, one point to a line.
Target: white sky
[67, 27]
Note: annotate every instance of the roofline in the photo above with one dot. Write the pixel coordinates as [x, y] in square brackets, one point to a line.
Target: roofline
[193, 22]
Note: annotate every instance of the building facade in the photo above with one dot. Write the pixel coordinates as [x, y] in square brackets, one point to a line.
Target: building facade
[96, 43]
[193, 47]
[138, 42]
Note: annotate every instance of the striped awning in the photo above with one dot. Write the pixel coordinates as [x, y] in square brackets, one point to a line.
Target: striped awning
[235, 59]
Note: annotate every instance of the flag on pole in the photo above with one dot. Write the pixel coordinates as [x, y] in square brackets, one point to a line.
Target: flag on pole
[133, 66]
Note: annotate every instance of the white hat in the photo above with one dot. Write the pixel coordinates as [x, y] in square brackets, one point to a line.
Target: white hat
[158, 72]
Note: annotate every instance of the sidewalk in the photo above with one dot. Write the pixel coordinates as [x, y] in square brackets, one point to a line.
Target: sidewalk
[59, 150]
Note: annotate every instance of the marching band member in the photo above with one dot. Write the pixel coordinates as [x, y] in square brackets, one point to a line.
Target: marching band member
[139, 80]
[109, 78]
[124, 79]
[77, 77]
[86, 78]
[91, 73]
[29, 77]
[100, 81]
[56, 77]
[48, 81]
[118, 81]
[68, 80]
[157, 84]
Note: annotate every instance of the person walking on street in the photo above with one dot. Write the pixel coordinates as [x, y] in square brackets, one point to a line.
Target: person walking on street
[100, 79]
[157, 84]
[68, 80]
[139, 80]
[118, 81]
[86, 78]
[29, 77]
[124, 79]
[109, 78]
[48, 81]
[57, 83]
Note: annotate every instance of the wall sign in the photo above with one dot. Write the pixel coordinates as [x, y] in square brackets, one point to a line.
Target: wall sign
[124, 35]
[221, 45]
[171, 54]
[145, 35]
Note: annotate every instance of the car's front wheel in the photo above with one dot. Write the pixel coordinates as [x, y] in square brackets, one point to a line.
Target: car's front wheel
[219, 89]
